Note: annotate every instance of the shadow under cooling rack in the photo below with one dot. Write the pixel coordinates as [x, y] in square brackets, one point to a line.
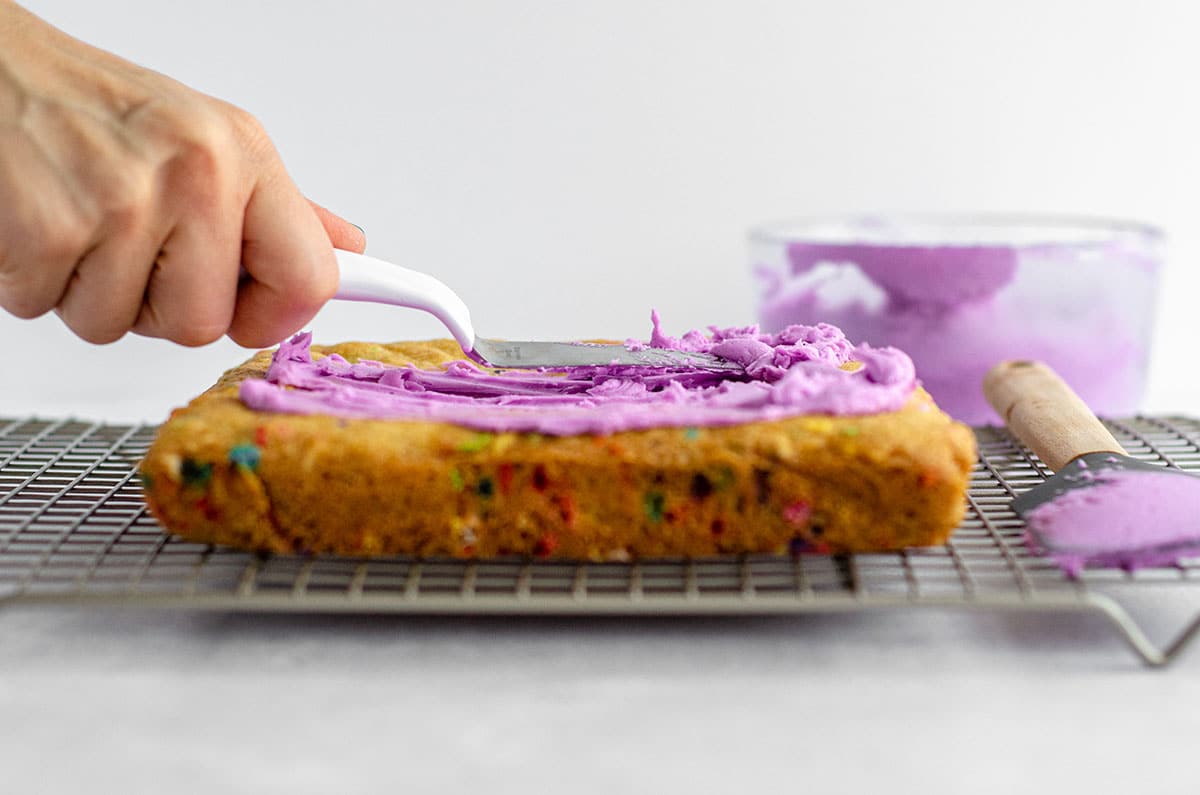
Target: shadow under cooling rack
[73, 528]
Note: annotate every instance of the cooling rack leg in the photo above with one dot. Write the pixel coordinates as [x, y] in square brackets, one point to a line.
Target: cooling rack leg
[1182, 640]
[1133, 635]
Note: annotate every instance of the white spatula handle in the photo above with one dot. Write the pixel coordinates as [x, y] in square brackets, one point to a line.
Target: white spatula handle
[365, 278]
[1045, 414]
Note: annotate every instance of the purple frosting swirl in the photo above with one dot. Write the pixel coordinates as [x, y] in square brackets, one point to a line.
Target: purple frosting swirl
[796, 371]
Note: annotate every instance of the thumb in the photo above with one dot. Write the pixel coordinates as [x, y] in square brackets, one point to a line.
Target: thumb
[291, 264]
[342, 233]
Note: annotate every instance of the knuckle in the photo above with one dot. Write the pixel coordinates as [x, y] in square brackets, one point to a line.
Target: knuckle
[200, 161]
[102, 335]
[27, 292]
[192, 142]
[220, 122]
[250, 135]
[23, 303]
[199, 171]
[94, 329]
[248, 338]
[126, 198]
[194, 336]
[33, 280]
[50, 238]
[244, 123]
[197, 181]
[61, 243]
[181, 123]
[192, 328]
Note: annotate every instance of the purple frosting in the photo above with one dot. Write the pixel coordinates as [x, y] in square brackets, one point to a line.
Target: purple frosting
[796, 371]
[1127, 518]
[929, 275]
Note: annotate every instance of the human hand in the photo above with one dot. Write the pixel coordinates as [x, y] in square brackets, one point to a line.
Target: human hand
[130, 202]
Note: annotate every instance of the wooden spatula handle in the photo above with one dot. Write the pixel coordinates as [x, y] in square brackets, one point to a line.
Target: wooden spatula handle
[1045, 414]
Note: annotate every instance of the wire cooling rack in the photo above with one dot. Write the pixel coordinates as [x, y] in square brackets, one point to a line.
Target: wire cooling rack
[73, 528]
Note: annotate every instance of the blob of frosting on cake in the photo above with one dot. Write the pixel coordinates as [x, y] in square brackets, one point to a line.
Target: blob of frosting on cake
[796, 371]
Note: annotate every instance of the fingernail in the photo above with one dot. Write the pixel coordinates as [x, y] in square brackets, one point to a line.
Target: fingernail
[359, 228]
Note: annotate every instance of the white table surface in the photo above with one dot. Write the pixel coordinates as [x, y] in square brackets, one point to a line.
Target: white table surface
[109, 700]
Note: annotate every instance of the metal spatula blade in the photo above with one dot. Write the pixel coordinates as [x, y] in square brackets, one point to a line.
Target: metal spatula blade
[364, 278]
[530, 353]
[1082, 472]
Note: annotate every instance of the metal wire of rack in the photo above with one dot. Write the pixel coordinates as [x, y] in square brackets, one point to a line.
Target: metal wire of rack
[74, 528]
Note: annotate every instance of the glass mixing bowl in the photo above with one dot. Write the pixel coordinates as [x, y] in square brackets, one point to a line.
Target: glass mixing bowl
[961, 293]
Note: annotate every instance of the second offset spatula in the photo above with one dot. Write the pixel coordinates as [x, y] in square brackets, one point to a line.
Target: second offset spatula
[1101, 506]
[365, 278]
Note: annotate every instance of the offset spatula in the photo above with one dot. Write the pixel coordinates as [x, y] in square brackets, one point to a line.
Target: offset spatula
[1100, 506]
[365, 278]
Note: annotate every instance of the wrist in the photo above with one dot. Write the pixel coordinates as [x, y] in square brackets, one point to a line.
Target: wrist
[16, 28]
[12, 18]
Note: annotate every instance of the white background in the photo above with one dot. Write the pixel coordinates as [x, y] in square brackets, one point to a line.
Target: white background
[566, 166]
